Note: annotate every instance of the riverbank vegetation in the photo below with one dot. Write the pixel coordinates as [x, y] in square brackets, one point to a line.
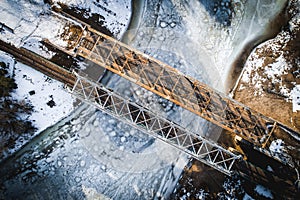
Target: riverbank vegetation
[13, 113]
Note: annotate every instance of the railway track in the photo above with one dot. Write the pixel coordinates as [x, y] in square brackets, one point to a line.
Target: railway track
[39, 63]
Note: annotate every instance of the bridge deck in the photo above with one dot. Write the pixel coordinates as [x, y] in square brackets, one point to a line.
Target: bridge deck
[143, 119]
[169, 83]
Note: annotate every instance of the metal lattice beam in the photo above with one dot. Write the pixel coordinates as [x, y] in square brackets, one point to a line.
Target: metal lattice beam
[143, 119]
[169, 83]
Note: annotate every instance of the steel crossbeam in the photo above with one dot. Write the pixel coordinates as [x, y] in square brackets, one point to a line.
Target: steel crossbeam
[143, 119]
[169, 83]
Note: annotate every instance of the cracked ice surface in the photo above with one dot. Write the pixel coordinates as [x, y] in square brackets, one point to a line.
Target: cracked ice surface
[85, 159]
[29, 21]
[186, 36]
[188, 29]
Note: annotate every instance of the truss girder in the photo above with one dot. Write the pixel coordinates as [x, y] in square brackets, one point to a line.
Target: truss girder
[169, 83]
[143, 119]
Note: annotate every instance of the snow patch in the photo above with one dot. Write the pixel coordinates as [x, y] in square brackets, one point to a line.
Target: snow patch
[50, 100]
[8, 60]
[296, 98]
[277, 146]
[92, 194]
[261, 190]
[36, 47]
[46, 90]
[247, 197]
[32, 22]
[116, 13]
[260, 70]
[278, 68]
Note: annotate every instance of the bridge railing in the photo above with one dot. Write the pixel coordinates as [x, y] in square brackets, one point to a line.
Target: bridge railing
[148, 122]
[169, 83]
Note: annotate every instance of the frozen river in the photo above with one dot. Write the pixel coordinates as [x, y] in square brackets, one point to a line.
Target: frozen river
[80, 157]
[90, 155]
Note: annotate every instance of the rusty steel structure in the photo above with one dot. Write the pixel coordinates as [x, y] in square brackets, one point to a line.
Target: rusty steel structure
[171, 84]
[151, 123]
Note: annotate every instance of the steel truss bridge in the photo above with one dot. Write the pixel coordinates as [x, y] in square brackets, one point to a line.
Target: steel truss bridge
[151, 123]
[169, 83]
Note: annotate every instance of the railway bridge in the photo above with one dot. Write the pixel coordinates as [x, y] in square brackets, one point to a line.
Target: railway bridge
[240, 121]
[153, 75]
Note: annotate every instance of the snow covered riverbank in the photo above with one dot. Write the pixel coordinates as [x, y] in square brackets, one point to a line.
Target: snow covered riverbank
[30, 22]
[271, 74]
[50, 100]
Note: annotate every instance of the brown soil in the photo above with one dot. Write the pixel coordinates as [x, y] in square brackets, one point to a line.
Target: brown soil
[268, 104]
[197, 177]
[96, 21]
[71, 34]
[271, 102]
[272, 30]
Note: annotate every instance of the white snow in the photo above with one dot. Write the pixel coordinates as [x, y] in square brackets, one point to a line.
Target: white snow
[116, 13]
[277, 146]
[202, 194]
[247, 197]
[33, 23]
[21, 16]
[257, 72]
[296, 98]
[45, 89]
[92, 194]
[8, 60]
[264, 191]
[279, 151]
[36, 47]
[277, 68]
